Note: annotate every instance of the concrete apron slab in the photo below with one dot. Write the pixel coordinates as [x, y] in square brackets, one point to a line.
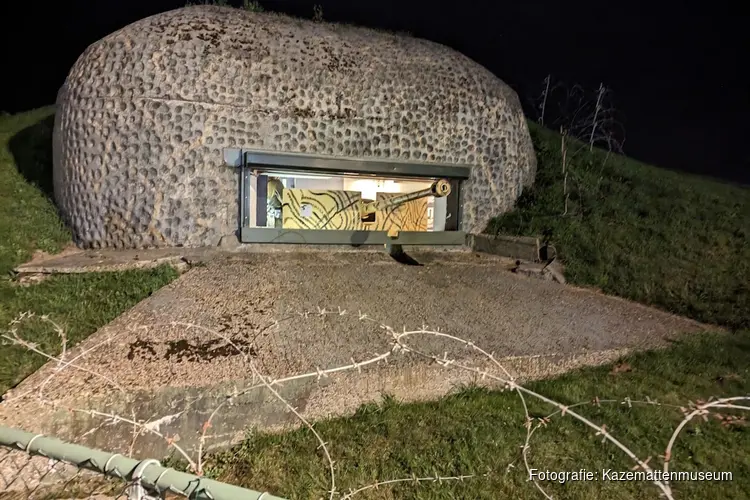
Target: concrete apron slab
[173, 358]
[74, 261]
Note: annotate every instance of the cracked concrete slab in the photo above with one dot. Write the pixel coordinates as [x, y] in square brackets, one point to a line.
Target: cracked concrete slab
[191, 347]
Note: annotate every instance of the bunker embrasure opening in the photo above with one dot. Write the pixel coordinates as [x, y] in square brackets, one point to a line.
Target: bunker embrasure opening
[295, 198]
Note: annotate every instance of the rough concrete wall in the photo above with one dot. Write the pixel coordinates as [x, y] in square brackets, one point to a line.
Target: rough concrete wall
[145, 113]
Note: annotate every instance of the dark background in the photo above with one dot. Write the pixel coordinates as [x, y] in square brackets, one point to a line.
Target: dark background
[676, 69]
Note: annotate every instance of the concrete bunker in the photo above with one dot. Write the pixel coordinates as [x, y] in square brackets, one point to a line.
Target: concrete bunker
[170, 131]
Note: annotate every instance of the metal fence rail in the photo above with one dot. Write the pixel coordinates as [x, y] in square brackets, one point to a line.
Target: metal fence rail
[145, 477]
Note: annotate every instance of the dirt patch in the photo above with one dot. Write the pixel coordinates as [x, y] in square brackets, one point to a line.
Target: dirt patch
[40, 256]
[177, 351]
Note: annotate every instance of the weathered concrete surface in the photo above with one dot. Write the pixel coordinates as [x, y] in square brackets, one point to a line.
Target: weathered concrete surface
[174, 374]
[145, 113]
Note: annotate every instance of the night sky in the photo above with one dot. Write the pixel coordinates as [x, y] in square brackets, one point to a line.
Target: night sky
[676, 70]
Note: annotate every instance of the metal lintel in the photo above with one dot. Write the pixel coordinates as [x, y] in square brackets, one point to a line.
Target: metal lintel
[331, 237]
[332, 164]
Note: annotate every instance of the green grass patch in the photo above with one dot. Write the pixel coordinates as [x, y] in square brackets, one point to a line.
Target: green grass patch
[671, 240]
[662, 238]
[28, 218]
[479, 431]
[79, 303]
[29, 221]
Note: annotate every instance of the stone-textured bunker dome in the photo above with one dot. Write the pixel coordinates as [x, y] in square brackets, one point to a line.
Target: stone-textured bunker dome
[145, 113]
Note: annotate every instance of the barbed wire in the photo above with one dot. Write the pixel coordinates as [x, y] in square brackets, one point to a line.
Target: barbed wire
[396, 343]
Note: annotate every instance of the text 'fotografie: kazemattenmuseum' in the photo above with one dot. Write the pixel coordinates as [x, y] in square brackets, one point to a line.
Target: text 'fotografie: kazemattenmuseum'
[615, 475]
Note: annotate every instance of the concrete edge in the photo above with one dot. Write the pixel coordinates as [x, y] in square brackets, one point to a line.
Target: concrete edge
[408, 380]
[177, 261]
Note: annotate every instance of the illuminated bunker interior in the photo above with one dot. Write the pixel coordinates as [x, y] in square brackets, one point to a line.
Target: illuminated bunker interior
[293, 198]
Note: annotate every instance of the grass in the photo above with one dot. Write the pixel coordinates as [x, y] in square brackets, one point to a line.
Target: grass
[671, 240]
[674, 241]
[249, 5]
[477, 430]
[28, 219]
[28, 222]
[662, 238]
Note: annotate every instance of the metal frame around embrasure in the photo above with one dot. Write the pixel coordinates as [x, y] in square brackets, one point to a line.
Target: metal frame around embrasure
[294, 162]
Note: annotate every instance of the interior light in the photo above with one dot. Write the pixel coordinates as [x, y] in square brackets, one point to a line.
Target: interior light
[367, 187]
[369, 193]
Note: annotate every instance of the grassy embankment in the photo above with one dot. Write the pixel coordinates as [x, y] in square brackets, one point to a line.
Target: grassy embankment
[673, 241]
[670, 240]
[29, 222]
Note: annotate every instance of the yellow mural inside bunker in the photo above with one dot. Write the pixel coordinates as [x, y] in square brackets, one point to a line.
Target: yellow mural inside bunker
[347, 210]
[313, 209]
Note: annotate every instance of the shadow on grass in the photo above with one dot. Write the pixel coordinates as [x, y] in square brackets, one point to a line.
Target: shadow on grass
[32, 151]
